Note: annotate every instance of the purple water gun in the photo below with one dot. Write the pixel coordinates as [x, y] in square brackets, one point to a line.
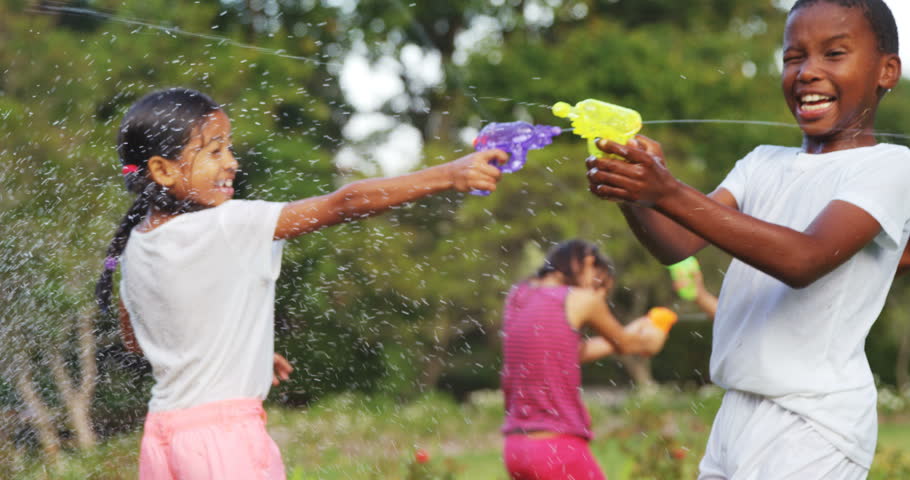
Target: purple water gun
[517, 138]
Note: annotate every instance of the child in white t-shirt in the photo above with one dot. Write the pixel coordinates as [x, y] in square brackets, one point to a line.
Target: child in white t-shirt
[198, 283]
[816, 233]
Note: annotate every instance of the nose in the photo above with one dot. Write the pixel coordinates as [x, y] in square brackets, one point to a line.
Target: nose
[809, 71]
[231, 162]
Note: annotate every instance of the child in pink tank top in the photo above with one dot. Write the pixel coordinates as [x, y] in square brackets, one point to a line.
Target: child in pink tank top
[547, 427]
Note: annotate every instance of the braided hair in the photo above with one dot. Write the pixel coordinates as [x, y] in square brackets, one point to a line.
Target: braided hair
[160, 124]
[567, 256]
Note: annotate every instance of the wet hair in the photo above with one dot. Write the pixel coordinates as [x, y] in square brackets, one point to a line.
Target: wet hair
[876, 11]
[160, 124]
[568, 256]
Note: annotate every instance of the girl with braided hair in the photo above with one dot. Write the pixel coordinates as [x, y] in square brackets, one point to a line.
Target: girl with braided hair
[198, 279]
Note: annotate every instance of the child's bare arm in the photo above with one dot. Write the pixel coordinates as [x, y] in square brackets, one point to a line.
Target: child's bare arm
[796, 258]
[597, 315]
[369, 197]
[707, 302]
[667, 240]
[904, 264]
[594, 349]
[126, 331]
[281, 369]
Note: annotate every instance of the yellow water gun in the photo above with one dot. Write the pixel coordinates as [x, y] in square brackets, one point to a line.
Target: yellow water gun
[593, 119]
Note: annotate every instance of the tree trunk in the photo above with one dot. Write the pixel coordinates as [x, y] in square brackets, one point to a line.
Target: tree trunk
[79, 401]
[39, 416]
[88, 365]
[435, 358]
[76, 409]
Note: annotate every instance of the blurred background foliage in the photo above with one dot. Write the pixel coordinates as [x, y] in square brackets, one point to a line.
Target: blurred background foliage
[408, 302]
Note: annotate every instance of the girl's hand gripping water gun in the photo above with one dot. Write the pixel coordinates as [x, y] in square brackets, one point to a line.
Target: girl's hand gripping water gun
[653, 328]
[517, 138]
[593, 119]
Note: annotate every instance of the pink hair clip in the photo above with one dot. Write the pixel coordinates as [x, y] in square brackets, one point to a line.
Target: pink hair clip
[127, 169]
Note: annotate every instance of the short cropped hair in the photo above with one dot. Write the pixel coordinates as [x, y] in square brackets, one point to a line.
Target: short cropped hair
[877, 12]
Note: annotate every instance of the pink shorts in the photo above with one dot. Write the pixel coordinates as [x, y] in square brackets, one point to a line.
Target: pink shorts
[219, 440]
[557, 458]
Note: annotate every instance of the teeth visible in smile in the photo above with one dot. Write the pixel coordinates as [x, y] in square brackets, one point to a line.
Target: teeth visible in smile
[815, 106]
[813, 97]
[814, 102]
[225, 183]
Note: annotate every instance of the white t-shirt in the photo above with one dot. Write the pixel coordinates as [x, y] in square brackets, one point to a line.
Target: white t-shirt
[200, 291]
[804, 349]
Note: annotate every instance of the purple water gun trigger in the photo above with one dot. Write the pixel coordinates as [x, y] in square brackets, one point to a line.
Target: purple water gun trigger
[517, 138]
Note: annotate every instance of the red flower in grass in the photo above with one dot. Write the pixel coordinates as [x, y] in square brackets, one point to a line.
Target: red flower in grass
[421, 456]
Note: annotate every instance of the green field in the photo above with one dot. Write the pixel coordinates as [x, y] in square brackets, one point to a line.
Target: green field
[639, 436]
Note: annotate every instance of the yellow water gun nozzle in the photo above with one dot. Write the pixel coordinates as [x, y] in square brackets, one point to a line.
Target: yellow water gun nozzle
[562, 109]
[593, 119]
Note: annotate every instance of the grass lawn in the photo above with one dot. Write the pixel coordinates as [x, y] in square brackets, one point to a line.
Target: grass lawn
[638, 436]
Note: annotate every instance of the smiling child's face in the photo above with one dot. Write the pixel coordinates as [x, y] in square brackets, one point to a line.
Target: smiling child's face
[834, 73]
[207, 166]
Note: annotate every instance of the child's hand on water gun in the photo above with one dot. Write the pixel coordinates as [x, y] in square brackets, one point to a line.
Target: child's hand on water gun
[638, 174]
[477, 171]
[516, 138]
[653, 329]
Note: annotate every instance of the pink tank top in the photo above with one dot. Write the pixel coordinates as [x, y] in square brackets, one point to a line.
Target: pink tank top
[541, 373]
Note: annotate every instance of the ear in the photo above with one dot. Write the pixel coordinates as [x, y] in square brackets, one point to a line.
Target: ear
[891, 72]
[162, 171]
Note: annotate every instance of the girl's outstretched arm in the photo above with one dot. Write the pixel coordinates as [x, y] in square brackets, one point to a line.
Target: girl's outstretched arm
[797, 258]
[365, 198]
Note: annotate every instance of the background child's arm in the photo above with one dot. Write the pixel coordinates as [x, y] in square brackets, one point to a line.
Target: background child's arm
[705, 300]
[590, 307]
[594, 349]
[281, 369]
[796, 258]
[127, 336]
[904, 264]
[369, 197]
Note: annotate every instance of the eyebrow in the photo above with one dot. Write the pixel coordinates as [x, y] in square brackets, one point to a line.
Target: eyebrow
[838, 37]
[217, 138]
[827, 41]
